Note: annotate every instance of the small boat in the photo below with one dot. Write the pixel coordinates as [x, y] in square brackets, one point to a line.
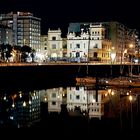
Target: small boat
[123, 82]
[85, 80]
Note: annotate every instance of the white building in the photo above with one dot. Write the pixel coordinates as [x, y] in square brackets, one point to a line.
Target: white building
[77, 45]
[100, 46]
[54, 98]
[92, 43]
[76, 98]
[55, 48]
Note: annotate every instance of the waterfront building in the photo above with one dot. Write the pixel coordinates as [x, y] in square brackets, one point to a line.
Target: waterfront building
[77, 45]
[54, 47]
[100, 45]
[6, 35]
[91, 41]
[105, 37]
[26, 28]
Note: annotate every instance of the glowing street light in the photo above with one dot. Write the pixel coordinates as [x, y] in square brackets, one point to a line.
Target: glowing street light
[113, 54]
[130, 98]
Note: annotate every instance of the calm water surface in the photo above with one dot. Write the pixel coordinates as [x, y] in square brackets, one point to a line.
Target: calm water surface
[89, 109]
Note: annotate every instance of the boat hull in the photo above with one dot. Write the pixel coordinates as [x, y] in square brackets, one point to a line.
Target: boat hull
[86, 80]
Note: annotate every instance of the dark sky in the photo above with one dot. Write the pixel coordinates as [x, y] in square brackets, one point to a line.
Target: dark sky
[56, 13]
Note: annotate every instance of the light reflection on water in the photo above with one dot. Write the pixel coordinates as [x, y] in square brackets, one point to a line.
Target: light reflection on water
[66, 106]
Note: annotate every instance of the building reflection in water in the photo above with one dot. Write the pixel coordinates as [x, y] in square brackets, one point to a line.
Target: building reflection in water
[22, 109]
[89, 102]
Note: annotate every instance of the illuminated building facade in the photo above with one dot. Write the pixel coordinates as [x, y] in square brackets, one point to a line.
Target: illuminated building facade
[25, 26]
[55, 45]
[77, 45]
[6, 35]
[100, 45]
[85, 39]
[103, 37]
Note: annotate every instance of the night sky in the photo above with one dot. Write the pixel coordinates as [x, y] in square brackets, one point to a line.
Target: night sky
[56, 13]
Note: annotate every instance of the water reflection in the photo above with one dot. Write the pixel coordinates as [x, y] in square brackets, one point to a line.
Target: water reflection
[26, 108]
[20, 109]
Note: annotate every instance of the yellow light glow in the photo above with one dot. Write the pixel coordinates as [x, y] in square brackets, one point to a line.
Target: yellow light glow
[109, 90]
[24, 103]
[13, 105]
[106, 94]
[130, 98]
[131, 45]
[127, 93]
[45, 99]
[112, 92]
[93, 100]
[20, 95]
[125, 51]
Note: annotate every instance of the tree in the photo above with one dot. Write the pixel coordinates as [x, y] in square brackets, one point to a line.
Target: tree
[25, 50]
[6, 50]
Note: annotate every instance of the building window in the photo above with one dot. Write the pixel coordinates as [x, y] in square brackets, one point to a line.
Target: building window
[53, 95]
[70, 54]
[77, 54]
[53, 46]
[70, 46]
[77, 97]
[70, 96]
[53, 38]
[77, 45]
[53, 103]
[95, 46]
